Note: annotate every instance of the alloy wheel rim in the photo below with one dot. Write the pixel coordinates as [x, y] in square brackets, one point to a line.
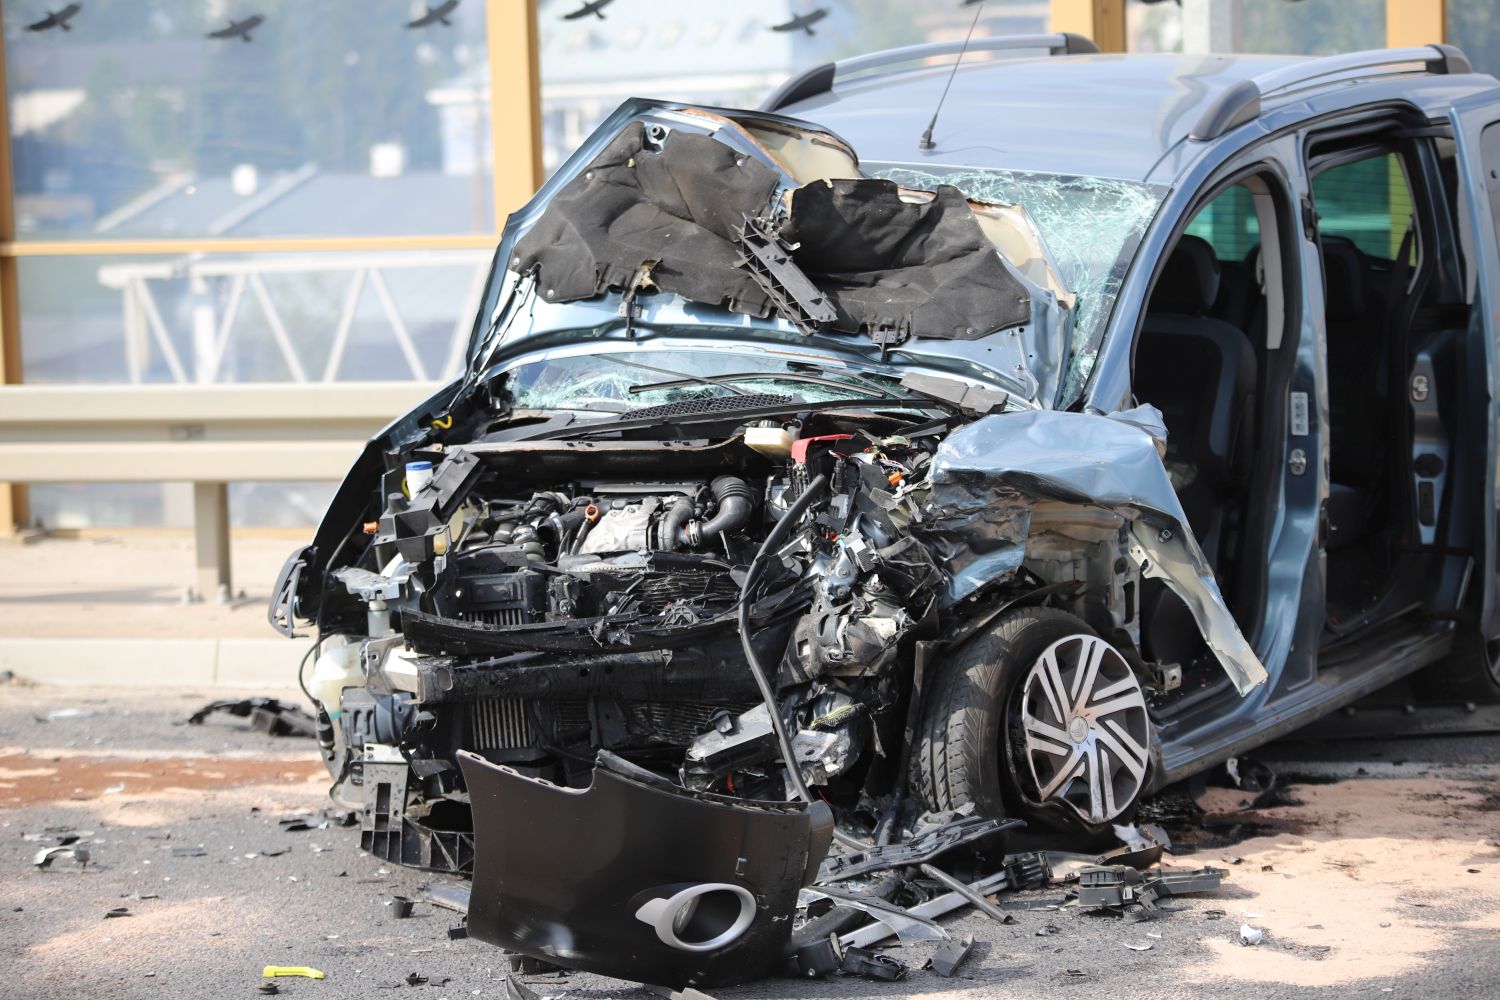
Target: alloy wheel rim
[1087, 736]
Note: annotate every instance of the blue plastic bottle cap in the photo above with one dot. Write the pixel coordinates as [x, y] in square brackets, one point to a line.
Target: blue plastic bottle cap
[418, 466]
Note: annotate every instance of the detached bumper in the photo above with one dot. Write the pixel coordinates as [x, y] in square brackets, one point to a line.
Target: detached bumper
[635, 877]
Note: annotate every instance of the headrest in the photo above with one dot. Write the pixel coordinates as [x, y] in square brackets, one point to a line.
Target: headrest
[1190, 282]
[1343, 281]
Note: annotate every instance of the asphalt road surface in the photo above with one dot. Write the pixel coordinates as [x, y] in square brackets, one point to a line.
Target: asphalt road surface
[1376, 872]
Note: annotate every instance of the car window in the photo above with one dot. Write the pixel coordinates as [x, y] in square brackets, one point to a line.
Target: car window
[1368, 203]
[1228, 224]
[1092, 226]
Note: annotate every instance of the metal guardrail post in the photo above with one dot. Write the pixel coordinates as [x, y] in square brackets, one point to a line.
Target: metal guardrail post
[211, 541]
[13, 501]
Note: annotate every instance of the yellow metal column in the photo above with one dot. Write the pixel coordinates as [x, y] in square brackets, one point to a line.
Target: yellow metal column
[1415, 22]
[515, 103]
[1101, 20]
[14, 511]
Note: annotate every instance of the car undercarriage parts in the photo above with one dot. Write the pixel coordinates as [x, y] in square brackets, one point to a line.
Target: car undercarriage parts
[975, 899]
[1122, 889]
[937, 906]
[634, 876]
[924, 847]
[902, 922]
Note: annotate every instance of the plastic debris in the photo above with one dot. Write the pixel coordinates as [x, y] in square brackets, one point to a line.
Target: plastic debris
[119, 911]
[305, 971]
[946, 960]
[400, 907]
[1251, 935]
[43, 859]
[269, 988]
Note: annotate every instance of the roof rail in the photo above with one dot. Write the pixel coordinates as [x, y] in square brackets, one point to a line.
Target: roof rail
[1240, 103]
[820, 79]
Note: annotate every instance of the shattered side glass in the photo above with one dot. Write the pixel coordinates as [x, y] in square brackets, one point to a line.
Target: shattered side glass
[1092, 226]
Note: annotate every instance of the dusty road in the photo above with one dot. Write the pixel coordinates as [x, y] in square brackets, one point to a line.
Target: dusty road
[1379, 876]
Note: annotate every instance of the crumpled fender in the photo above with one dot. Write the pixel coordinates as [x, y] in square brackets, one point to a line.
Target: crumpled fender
[988, 475]
[593, 878]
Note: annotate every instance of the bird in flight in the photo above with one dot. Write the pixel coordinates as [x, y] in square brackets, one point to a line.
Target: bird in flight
[239, 29]
[57, 19]
[803, 22]
[435, 15]
[595, 7]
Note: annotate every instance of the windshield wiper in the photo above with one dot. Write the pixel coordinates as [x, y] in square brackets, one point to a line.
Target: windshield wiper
[761, 376]
[747, 413]
[678, 378]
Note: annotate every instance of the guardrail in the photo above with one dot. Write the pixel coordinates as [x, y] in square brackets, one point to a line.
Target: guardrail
[207, 435]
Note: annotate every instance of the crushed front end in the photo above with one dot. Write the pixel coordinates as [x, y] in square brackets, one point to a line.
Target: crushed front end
[642, 605]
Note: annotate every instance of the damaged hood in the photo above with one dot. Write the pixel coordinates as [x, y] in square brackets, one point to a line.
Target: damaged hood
[695, 219]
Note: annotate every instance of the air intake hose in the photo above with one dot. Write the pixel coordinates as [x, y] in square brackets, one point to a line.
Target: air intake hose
[735, 504]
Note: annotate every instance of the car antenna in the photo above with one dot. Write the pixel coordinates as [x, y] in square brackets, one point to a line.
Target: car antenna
[926, 141]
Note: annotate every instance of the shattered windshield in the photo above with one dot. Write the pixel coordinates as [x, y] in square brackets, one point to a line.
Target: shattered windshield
[1092, 226]
[619, 383]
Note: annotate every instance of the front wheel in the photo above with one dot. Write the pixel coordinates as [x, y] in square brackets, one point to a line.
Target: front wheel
[1039, 718]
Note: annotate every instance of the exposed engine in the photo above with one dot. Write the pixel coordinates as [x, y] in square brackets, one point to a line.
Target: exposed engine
[536, 617]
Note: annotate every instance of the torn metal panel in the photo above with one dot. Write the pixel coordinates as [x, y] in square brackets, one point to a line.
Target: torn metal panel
[987, 476]
[636, 878]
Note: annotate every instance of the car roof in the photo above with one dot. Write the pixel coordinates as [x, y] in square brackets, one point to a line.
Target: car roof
[1105, 115]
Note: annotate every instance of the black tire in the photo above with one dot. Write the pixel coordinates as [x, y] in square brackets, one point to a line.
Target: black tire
[964, 743]
[1471, 673]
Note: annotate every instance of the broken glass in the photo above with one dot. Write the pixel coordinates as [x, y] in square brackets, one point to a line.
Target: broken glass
[1092, 226]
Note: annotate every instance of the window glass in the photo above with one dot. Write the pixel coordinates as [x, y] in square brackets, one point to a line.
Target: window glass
[1305, 27]
[1228, 224]
[319, 119]
[724, 52]
[1366, 202]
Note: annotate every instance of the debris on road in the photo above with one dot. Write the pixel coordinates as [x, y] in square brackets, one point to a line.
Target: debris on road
[62, 714]
[305, 971]
[1125, 890]
[1251, 935]
[872, 965]
[946, 960]
[43, 859]
[118, 911]
[271, 716]
[400, 907]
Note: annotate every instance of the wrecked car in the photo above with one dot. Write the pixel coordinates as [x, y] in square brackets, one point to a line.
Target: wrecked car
[804, 482]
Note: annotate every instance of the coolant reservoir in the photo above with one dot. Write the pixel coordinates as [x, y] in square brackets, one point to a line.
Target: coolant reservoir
[774, 442]
[338, 666]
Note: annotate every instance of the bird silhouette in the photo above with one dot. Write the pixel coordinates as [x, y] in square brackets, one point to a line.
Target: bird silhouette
[435, 15]
[56, 19]
[803, 22]
[595, 7]
[239, 29]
